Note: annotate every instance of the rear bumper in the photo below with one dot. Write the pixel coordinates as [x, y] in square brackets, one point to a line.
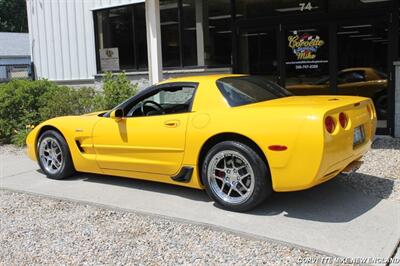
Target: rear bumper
[308, 181]
[320, 157]
[346, 166]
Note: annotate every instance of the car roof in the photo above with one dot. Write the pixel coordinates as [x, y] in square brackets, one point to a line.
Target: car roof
[199, 78]
[357, 69]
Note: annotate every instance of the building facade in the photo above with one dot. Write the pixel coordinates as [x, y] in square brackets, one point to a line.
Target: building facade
[15, 56]
[309, 47]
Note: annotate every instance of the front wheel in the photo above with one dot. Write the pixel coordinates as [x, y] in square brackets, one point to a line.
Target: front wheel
[53, 155]
[235, 176]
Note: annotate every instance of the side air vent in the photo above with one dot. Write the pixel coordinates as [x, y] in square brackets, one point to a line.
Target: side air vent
[78, 144]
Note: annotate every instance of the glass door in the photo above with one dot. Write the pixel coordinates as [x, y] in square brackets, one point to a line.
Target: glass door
[258, 53]
[306, 59]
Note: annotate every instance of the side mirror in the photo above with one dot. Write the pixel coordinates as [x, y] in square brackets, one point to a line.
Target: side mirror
[117, 114]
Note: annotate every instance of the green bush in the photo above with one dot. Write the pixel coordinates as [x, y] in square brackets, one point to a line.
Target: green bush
[19, 105]
[24, 103]
[116, 88]
[66, 101]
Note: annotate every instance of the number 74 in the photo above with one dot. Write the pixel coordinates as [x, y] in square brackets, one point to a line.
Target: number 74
[305, 6]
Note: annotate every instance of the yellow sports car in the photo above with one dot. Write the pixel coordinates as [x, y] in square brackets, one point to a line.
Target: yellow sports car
[238, 137]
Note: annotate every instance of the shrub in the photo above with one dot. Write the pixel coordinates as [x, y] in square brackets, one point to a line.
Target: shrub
[66, 101]
[116, 89]
[24, 103]
[19, 104]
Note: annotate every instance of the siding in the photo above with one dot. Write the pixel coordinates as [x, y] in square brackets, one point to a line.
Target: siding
[61, 34]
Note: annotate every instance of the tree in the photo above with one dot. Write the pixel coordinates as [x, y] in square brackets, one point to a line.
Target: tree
[13, 16]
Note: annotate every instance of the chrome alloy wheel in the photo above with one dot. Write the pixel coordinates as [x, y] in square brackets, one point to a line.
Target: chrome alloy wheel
[50, 155]
[231, 177]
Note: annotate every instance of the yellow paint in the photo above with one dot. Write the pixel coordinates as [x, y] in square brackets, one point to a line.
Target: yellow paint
[157, 147]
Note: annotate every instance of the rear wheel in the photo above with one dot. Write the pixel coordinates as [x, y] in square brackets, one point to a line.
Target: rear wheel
[53, 155]
[235, 176]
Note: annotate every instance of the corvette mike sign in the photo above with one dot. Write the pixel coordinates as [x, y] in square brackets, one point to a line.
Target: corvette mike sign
[305, 50]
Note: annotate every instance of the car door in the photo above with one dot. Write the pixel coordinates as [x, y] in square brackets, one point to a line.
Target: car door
[151, 142]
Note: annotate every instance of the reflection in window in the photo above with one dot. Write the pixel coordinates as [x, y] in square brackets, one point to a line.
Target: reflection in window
[362, 62]
[351, 76]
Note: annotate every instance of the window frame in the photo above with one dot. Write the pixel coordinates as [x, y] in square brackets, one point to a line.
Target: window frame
[132, 10]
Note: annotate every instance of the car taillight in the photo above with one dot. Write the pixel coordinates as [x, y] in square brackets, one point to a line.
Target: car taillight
[329, 124]
[343, 120]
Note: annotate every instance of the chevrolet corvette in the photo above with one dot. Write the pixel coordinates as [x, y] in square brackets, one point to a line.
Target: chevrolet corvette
[238, 137]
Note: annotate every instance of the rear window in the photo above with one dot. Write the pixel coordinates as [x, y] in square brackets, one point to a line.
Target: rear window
[249, 89]
[381, 74]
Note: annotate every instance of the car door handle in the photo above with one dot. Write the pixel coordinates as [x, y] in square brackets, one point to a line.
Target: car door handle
[171, 123]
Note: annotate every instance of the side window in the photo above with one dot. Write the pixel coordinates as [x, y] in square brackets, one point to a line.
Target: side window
[167, 101]
[351, 76]
[181, 96]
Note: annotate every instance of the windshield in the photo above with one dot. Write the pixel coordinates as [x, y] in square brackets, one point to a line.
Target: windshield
[249, 89]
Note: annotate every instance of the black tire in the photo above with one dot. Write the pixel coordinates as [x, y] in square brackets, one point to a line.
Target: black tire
[67, 167]
[262, 178]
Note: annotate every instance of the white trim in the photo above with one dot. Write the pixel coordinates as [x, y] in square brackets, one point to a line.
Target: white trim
[117, 5]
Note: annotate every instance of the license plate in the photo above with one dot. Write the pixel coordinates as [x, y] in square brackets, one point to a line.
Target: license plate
[359, 135]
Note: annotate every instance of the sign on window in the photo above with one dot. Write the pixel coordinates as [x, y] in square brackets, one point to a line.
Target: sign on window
[109, 59]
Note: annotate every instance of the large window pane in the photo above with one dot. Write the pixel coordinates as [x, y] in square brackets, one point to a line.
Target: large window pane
[362, 62]
[170, 33]
[307, 53]
[217, 32]
[123, 31]
[115, 31]
[258, 53]
[189, 33]
[140, 37]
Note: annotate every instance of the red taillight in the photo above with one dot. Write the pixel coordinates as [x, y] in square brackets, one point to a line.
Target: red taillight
[329, 124]
[343, 120]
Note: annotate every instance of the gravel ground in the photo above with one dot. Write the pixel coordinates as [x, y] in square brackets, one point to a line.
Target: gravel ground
[380, 173]
[38, 230]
